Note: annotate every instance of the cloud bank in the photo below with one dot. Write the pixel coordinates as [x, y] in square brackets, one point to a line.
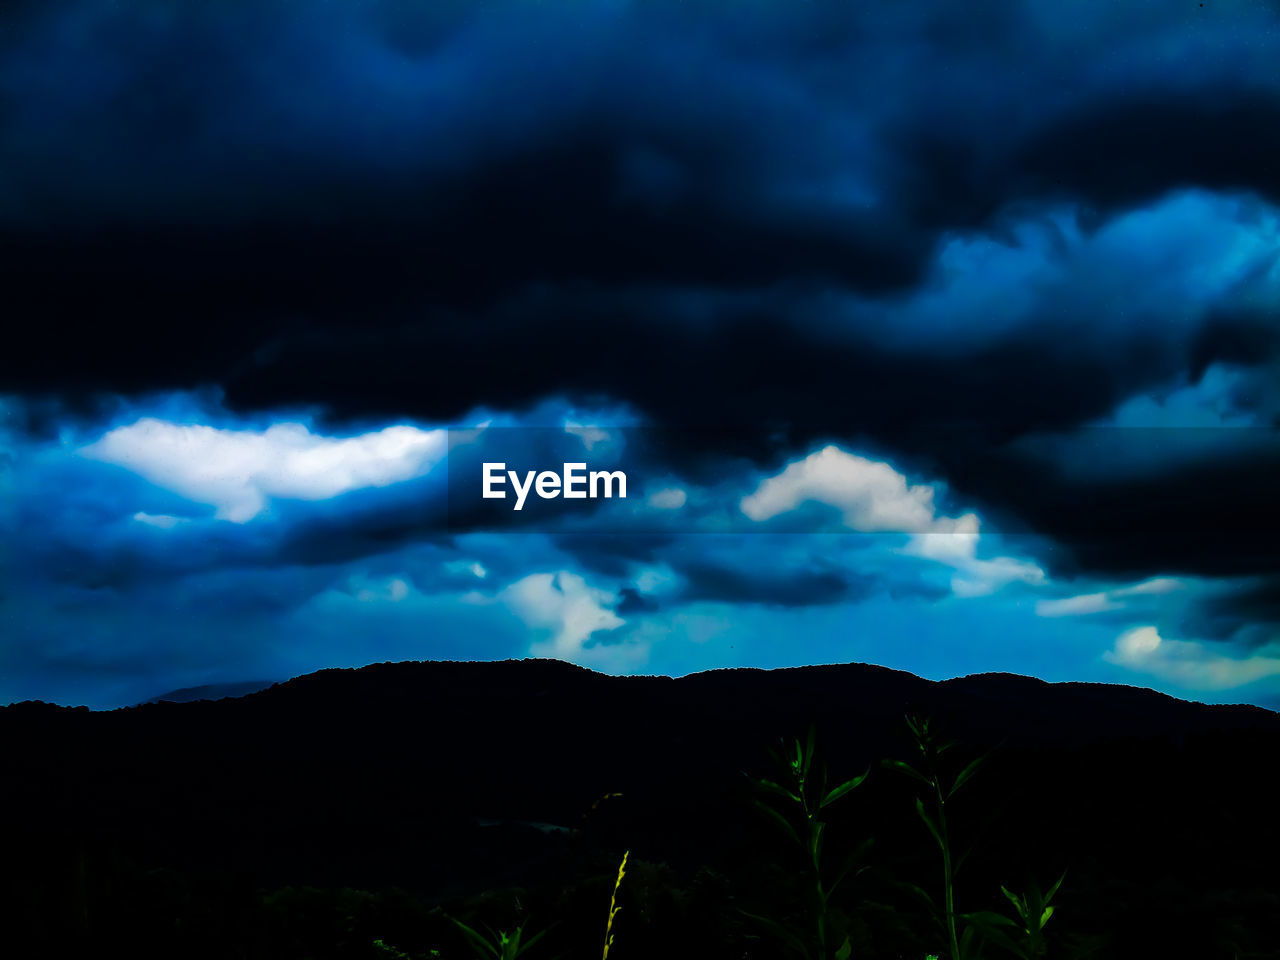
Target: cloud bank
[945, 321]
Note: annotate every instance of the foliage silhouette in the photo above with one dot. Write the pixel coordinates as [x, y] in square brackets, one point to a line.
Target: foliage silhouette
[966, 934]
[294, 822]
[613, 906]
[499, 945]
[794, 801]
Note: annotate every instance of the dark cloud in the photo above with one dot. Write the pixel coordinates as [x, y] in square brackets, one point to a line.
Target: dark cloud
[631, 600]
[1248, 612]
[720, 218]
[1135, 148]
[615, 556]
[765, 586]
[773, 585]
[1131, 501]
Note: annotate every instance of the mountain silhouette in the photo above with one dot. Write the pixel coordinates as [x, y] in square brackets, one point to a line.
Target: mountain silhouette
[212, 691]
[451, 778]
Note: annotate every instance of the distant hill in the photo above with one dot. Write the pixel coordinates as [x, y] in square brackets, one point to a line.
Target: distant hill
[450, 778]
[212, 691]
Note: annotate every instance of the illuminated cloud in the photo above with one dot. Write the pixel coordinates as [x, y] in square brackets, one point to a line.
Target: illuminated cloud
[1187, 663]
[668, 498]
[590, 436]
[875, 498]
[162, 520]
[568, 612]
[1104, 601]
[239, 471]
[958, 547]
[472, 567]
[389, 590]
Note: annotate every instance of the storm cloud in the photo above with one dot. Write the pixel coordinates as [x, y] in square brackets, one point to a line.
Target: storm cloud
[1025, 256]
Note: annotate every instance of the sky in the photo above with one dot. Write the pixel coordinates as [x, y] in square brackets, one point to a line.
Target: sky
[937, 335]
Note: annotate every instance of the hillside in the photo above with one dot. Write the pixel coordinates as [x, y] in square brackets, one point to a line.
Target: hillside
[449, 779]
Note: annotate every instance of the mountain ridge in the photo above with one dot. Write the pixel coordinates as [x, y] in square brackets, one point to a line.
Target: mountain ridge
[442, 777]
[235, 690]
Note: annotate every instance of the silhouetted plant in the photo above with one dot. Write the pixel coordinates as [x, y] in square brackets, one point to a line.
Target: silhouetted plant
[495, 945]
[797, 799]
[385, 949]
[613, 906]
[965, 933]
[1033, 910]
[498, 945]
[932, 809]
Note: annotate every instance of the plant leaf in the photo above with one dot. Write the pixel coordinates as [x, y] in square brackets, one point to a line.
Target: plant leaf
[835, 793]
[964, 776]
[1015, 900]
[534, 939]
[1054, 889]
[989, 924]
[988, 918]
[815, 841]
[782, 933]
[479, 943]
[924, 895]
[777, 788]
[850, 862]
[903, 767]
[928, 822]
[780, 820]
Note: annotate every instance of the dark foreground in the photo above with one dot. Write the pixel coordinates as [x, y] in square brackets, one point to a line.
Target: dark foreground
[344, 808]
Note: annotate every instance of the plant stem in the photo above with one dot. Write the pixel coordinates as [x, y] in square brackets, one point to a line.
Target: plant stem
[817, 869]
[948, 892]
[613, 905]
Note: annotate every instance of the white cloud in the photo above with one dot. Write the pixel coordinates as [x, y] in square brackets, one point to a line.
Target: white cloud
[473, 567]
[656, 580]
[1106, 600]
[239, 471]
[590, 436]
[378, 590]
[876, 498]
[669, 498]
[1081, 605]
[1187, 663]
[955, 543]
[977, 578]
[873, 496]
[162, 520]
[568, 611]
[1156, 585]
